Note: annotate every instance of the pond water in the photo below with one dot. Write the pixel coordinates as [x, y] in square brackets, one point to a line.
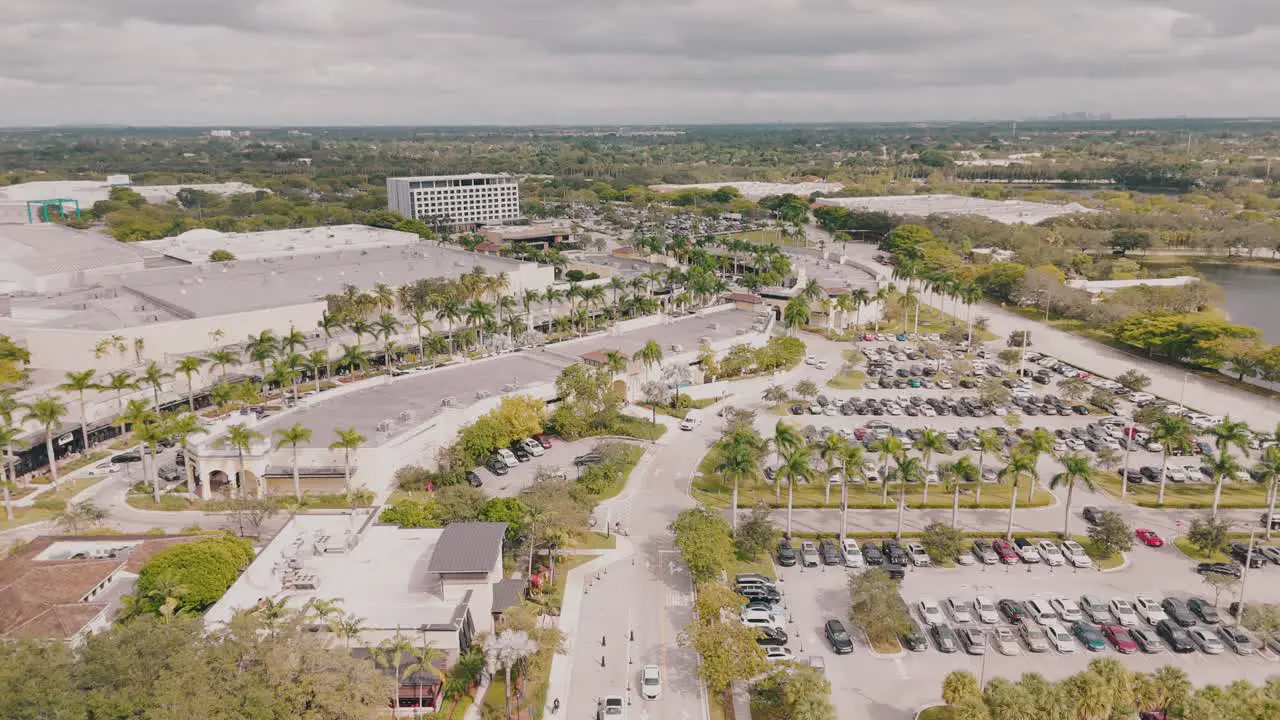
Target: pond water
[1252, 295]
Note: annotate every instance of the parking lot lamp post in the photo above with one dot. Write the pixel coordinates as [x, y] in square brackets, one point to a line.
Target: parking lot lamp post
[1124, 471]
[1244, 574]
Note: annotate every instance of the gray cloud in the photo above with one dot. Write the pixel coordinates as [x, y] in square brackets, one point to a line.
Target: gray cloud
[543, 61]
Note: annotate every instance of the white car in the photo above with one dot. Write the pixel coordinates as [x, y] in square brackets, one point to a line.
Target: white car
[852, 554]
[651, 681]
[1004, 641]
[1067, 609]
[959, 610]
[931, 612]
[611, 707]
[1051, 553]
[811, 360]
[918, 556]
[944, 384]
[1027, 553]
[928, 411]
[1059, 638]
[1148, 608]
[532, 447]
[507, 457]
[778, 654]
[986, 610]
[1123, 610]
[756, 619]
[1076, 555]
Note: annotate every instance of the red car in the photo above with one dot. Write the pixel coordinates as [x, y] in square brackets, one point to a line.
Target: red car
[1149, 537]
[1120, 638]
[1005, 550]
[543, 440]
[868, 337]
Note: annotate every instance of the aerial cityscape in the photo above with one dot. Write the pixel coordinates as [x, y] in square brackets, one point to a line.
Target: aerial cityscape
[733, 374]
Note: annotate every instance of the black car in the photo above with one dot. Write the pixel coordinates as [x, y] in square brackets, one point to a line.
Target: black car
[1080, 409]
[829, 554]
[839, 638]
[1012, 610]
[1204, 610]
[771, 637]
[913, 639]
[1150, 472]
[1178, 612]
[591, 458]
[797, 409]
[132, 456]
[944, 638]
[786, 554]
[1240, 551]
[894, 553]
[473, 479]
[1175, 637]
[871, 554]
[1092, 515]
[762, 592]
[497, 466]
[896, 572]
[518, 450]
[1231, 569]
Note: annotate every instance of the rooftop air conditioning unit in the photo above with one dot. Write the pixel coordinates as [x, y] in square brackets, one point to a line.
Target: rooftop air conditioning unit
[406, 416]
[383, 426]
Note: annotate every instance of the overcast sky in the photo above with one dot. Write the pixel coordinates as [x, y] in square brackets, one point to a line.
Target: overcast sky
[438, 62]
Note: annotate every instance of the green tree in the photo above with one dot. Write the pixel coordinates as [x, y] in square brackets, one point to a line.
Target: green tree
[78, 383]
[798, 692]
[78, 517]
[795, 467]
[1075, 469]
[1112, 534]
[1222, 467]
[349, 440]
[189, 366]
[293, 436]
[1134, 379]
[876, 606]
[1209, 535]
[757, 535]
[796, 314]
[221, 255]
[1268, 471]
[1021, 465]
[806, 389]
[958, 686]
[1174, 434]
[47, 412]
[739, 462]
[943, 542]
[204, 568]
[776, 394]
[650, 356]
[931, 441]
[703, 539]
[728, 653]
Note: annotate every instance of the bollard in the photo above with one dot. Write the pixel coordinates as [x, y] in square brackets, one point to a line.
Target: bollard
[633, 635]
[601, 661]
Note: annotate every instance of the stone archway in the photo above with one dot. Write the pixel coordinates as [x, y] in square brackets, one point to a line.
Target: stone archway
[620, 385]
[249, 483]
[219, 483]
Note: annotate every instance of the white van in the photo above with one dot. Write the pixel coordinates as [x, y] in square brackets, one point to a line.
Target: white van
[1041, 611]
[692, 419]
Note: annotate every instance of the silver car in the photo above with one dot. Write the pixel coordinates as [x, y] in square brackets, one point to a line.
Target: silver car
[1206, 640]
[1237, 640]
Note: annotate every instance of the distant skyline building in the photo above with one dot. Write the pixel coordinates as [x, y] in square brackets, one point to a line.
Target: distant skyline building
[466, 200]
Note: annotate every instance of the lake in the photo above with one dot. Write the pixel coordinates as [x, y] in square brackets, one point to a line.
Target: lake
[1252, 295]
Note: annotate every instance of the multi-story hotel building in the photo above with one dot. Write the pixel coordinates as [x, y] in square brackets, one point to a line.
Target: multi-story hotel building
[458, 200]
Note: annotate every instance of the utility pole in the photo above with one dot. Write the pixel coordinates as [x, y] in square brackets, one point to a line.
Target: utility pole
[1244, 574]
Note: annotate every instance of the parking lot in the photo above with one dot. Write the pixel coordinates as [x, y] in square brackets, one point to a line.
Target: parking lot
[896, 686]
[559, 458]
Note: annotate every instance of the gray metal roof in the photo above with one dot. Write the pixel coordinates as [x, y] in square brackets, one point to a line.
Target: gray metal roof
[507, 593]
[471, 547]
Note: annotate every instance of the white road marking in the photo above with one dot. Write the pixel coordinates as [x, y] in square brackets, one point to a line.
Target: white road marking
[675, 598]
[902, 668]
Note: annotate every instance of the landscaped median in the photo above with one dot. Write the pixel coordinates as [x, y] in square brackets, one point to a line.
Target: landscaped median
[1186, 496]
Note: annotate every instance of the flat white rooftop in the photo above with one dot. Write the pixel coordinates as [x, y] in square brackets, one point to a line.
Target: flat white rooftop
[755, 190]
[471, 176]
[87, 192]
[1005, 211]
[194, 246]
[382, 577]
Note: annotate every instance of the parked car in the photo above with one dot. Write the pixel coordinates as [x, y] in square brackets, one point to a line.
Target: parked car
[1221, 568]
[473, 479]
[1059, 638]
[944, 638]
[913, 639]
[771, 637]
[1089, 636]
[959, 610]
[1178, 639]
[497, 466]
[517, 449]
[1120, 638]
[1051, 553]
[1067, 609]
[1027, 552]
[1124, 612]
[919, 557]
[1177, 611]
[543, 440]
[930, 612]
[986, 610]
[1004, 641]
[1207, 640]
[1033, 636]
[1240, 552]
[1148, 609]
[808, 554]
[786, 554]
[839, 638]
[985, 553]
[1012, 610]
[852, 555]
[533, 447]
[1075, 554]
[1147, 639]
[1095, 608]
[1205, 610]
[1237, 639]
[1092, 515]
[871, 554]
[1005, 550]
[973, 640]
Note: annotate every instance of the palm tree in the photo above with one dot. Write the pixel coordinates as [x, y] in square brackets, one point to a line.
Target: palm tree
[1020, 465]
[860, 297]
[360, 327]
[348, 441]
[1268, 471]
[154, 375]
[119, 382]
[386, 326]
[79, 382]
[988, 442]
[150, 431]
[348, 627]
[292, 341]
[315, 360]
[223, 359]
[189, 366]
[261, 348]
[970, 293]
[955, 475]
[785, 439]
[241, 437]
[1231, 432]
[1036, 443]
[650, 355]
[505, 650]
[1075, 469]
[353, 358]
[1222, 467]
[427, 654]
[418, 316]
[852, 464]
[930, 442]
[908, 470]
[888, 447]
[449, 310]
[389, 351]
[329, 322]
[291, 436]
[183, 427]
[48, 411]
[831, 450]
[794, 468]
[8, 434]
[1173, 433]
[479, 314]
[796, 314]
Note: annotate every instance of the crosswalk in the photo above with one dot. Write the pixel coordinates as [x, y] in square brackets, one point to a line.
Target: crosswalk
[675, 598]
